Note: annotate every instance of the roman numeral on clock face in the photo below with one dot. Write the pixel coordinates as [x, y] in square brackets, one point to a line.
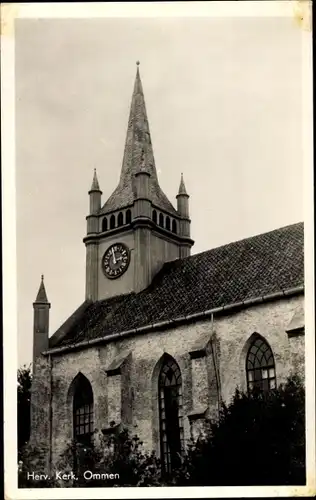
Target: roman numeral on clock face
[116, 260]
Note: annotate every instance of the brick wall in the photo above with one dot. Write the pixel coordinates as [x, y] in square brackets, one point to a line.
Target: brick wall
[41, 411]
[136, 364]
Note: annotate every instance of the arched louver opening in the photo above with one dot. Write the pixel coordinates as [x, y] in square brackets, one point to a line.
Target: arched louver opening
[120, 219]
[112, 222]
[161, 220]
[170, 414]
[128, 218]
[174, 227]
[155, 216]
[168, 223]
[260, 366]
[104, 224]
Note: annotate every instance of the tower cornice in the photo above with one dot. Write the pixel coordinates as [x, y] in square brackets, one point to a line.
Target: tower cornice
[137, 223]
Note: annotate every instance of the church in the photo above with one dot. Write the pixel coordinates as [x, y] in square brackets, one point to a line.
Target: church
[163, 337]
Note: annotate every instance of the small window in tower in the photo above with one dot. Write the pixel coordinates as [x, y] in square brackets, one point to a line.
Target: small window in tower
[155, 216]
[120, 219]
[174, 227]
[161, 221]
[112, 222]
[168, 223]
[105, 224]
[128, 218]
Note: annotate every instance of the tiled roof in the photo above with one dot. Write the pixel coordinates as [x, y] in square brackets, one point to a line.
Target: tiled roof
[246, 269]
[138, 153]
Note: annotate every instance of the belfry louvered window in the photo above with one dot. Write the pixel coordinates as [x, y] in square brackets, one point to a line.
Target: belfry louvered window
[161, 220]
[170, 412]
[128, 218]
[120, 221]
[260, 366]
[112, 221]
[83, 411]
[104, 224]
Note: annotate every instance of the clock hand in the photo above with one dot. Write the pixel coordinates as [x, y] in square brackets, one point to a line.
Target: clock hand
[113, 255]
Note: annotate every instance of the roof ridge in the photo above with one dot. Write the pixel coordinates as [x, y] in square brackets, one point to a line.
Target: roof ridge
[301, 223]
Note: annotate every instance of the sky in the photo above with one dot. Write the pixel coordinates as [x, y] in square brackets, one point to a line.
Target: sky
[224, 104]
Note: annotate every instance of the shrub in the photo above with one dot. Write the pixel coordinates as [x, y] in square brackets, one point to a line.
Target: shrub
[24, 405]
[118, 454]
[259, 439]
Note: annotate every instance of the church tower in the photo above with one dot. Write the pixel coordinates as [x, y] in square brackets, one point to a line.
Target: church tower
[137, 229]
[41, 308]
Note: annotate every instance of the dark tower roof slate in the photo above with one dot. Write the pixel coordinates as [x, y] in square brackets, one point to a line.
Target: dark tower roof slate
[95, 183]
[41, 294]
[138, 154]
[182, 190]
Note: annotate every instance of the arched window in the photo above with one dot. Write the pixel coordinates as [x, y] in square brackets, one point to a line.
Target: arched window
[104, 224]
[168, 223]
[170, 414]
[128, 218]
[112, 222]
[260, 367]
[155, 216]
[174, 227]
[83, 410]
[120, 219]
[161, 220]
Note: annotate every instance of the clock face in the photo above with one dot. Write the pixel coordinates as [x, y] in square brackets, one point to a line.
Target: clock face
[115, 260]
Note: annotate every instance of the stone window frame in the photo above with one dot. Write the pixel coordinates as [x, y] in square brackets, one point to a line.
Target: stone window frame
[170, 366]
[263, 368]
[244, 355]
[79, 380]
[155, 400]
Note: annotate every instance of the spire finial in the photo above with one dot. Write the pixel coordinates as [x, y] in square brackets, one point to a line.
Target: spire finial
[95, 183]
[137, 63]
[182, 190]
[41, 294]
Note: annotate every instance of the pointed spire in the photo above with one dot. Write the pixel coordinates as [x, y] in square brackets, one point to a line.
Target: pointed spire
[138, 147]
[41, 294]
[138, 156]
[95, 183]
[182, 190]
